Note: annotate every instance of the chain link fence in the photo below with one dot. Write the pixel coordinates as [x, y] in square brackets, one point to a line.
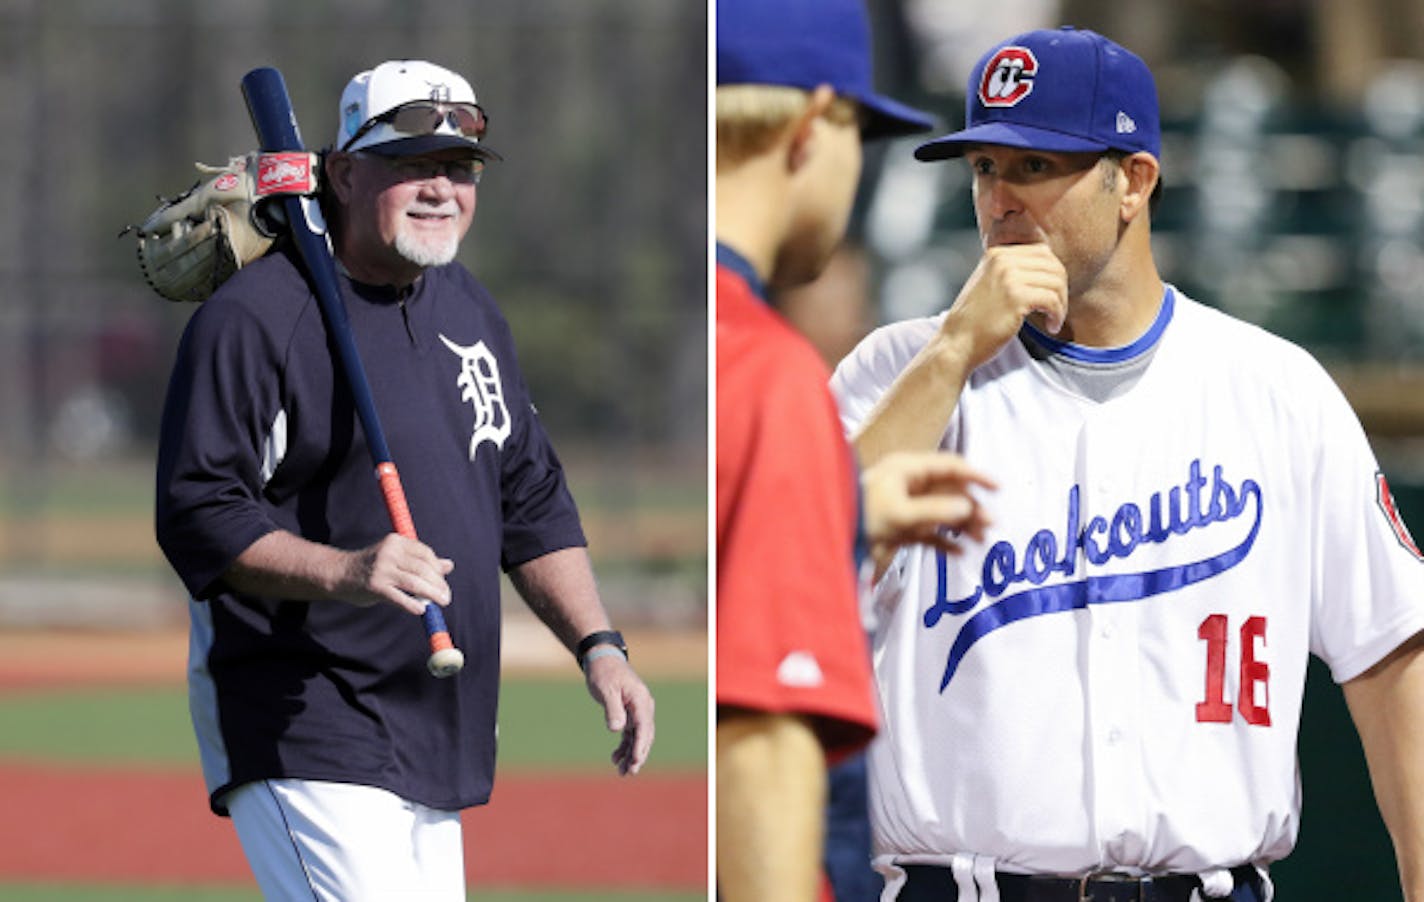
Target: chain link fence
[591, 233]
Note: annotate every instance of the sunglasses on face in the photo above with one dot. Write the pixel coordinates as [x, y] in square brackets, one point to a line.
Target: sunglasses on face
[424, 117]
[419, 169]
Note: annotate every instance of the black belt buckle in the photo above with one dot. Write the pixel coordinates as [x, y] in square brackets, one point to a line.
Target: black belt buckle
[1085, 884]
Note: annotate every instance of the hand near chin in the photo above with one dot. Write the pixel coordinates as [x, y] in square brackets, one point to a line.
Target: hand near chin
[1011, 282]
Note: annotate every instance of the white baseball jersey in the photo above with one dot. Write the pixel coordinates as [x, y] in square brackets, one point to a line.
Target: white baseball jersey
[1113, 678]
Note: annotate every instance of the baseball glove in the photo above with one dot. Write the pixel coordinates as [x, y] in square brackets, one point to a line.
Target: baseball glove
[193, 243]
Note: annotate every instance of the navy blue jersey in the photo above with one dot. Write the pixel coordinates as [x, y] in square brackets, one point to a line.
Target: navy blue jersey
[259, 433]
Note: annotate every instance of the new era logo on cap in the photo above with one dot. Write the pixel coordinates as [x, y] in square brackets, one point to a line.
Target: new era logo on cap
[1008, 77]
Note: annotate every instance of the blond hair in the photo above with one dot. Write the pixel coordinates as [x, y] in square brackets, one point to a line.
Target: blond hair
[751, 117]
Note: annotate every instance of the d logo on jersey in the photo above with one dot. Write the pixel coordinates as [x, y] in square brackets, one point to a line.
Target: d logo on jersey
[1385, 499]
[1008, 77]
[480, 385]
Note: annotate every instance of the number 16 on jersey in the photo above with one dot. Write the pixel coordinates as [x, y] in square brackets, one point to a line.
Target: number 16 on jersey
[1253, 699]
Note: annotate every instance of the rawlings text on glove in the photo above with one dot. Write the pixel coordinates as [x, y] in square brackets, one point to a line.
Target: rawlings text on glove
[193, 243]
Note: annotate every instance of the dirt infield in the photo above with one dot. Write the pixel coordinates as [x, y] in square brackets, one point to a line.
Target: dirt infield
[151, 825]
[43, 659]
[140, 826]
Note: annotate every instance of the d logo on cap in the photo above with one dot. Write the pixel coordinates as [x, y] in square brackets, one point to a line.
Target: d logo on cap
[1008, 77]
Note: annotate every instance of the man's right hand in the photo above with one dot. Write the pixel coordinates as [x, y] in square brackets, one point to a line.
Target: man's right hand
[396, 570]
[1010, 283]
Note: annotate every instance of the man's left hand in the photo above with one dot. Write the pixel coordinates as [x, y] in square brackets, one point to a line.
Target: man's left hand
[627, 708]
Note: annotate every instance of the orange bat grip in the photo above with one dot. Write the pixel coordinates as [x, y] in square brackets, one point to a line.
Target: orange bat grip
[395, 499]
[399, 511]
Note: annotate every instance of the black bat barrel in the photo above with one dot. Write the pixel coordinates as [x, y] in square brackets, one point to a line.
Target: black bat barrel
[270, 107]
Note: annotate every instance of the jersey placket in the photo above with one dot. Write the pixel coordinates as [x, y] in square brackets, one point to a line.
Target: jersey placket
[1109, 637]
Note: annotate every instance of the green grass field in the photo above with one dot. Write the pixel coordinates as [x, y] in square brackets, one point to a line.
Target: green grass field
[546, 724]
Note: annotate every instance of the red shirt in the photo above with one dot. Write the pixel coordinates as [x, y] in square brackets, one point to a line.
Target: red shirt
[789, 638]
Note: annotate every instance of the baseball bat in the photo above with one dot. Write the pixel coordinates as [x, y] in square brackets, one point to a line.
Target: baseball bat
[276, 123]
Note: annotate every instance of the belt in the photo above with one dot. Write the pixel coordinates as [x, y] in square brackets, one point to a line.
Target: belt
[928, 883]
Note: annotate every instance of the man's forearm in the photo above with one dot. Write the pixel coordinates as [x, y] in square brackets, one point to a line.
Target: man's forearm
[559, 587]
[914, 412]
[284, 565]
[1387, 704]
[771, 796]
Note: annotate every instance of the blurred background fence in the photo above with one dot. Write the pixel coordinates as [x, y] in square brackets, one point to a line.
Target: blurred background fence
[592, 235]
[1293, 169]
[1293, 162]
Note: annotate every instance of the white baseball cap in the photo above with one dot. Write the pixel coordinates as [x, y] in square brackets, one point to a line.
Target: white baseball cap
[396, 83]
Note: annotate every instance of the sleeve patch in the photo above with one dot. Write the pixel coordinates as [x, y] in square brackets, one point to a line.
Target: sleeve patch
[1385, 500]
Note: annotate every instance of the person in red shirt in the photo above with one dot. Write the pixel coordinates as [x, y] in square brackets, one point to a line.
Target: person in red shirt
[794, 101]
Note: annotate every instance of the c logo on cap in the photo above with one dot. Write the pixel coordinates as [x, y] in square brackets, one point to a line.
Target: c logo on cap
[1008, 77]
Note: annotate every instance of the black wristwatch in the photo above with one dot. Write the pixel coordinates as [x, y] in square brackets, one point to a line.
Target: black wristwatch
[602, 637]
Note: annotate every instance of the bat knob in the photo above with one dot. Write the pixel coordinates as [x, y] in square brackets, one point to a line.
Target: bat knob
[446, 662]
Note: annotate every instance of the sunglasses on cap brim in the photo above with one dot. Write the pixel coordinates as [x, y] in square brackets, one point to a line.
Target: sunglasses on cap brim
[424, 117]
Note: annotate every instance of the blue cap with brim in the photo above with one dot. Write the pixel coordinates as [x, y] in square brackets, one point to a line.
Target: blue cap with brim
[805, 44]
[1065, 90]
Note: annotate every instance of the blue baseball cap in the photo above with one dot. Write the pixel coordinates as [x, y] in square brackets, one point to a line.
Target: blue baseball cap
[806, 44]
[1063, 90]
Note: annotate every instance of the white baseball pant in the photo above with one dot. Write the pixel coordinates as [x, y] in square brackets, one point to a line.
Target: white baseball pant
[312, 841]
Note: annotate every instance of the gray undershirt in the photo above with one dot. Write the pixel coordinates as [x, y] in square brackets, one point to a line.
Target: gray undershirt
[1095, 381]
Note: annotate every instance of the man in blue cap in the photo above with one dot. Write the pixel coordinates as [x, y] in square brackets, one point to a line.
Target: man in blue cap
[794, 102]
[1100, 698]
